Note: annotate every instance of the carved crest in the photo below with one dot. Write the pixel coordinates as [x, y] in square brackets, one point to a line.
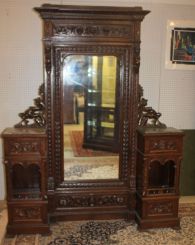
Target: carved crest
[92, 30]
[147, 116]
[34, 116]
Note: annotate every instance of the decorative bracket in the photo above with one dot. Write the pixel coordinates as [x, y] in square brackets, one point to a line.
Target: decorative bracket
[147, 116]
[34, 116]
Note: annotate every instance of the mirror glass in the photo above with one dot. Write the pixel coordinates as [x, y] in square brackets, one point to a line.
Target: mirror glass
[90, 117]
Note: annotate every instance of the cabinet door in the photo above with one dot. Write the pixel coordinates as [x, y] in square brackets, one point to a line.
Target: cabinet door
[100, 129]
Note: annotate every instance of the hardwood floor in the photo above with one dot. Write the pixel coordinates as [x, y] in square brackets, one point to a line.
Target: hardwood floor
[3, 220]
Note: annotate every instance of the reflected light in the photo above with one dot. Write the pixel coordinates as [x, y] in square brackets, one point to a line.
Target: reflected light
[172, 23]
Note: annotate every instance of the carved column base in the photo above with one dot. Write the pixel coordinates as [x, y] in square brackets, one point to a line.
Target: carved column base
[28, 229]
[28, 217]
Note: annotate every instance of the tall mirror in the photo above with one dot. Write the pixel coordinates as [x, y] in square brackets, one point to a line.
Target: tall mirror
[90, 117]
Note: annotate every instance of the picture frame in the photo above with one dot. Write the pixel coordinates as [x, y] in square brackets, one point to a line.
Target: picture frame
[180, 45]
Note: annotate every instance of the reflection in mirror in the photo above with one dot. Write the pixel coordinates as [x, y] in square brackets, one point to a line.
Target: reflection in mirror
[90, 117]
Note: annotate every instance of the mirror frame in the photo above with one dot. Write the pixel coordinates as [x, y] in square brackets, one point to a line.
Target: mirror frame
[127, 100]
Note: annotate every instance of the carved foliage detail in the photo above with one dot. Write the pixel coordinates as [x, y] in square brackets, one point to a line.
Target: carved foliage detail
[18, 147]
[92, 30]
[163, 144]
[147, 116]
[34, 116]
[160, 208]
[136, 61]
[91, 201]
[21, 213]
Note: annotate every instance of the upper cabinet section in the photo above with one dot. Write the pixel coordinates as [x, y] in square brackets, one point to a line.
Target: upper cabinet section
[96, 24]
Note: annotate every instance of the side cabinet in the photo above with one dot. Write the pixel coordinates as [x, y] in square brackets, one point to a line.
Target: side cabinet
[159, 154]
[26, 174]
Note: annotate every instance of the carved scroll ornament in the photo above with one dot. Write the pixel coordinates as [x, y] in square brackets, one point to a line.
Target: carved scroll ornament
[27, 147]
[92, 30]
[147, 116]
[34, 116]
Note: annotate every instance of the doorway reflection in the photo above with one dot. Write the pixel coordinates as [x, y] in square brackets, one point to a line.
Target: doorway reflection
[90, 117]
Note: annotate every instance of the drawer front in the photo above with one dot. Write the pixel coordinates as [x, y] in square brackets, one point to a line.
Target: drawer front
[27, 213]
[163, 144]
[160, 208]
[25, 147]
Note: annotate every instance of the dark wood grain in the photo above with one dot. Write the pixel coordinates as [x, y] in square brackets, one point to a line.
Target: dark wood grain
[25, 154]
[87, 30]
[159, 155]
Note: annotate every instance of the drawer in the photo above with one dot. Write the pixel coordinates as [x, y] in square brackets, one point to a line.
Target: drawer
[24, 147]
[156, 208]
[163, 144]
[27, 212]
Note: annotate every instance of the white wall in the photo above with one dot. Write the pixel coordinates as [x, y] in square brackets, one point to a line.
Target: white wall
[171, 92]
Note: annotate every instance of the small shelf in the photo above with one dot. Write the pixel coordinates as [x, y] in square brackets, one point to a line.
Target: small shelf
[26, 193]
[160, 191]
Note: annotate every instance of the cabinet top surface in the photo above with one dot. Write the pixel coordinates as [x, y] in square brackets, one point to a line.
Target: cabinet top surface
[154, 131]
[77, 9]
[72, 8]
[32, 132]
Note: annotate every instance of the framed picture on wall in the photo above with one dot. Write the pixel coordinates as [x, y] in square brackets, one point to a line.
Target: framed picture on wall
[180, 45]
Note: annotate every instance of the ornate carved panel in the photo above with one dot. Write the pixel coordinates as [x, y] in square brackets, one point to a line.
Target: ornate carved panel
[92, 201]
[166, 144]
[23, 147]
[89, 30]
[163, 207]
[26, 213]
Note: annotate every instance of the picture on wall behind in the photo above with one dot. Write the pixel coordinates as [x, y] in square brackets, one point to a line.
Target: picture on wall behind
[180, 45]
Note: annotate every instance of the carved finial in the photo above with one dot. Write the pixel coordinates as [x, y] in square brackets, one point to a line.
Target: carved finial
[147, 116]
[34, 116]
